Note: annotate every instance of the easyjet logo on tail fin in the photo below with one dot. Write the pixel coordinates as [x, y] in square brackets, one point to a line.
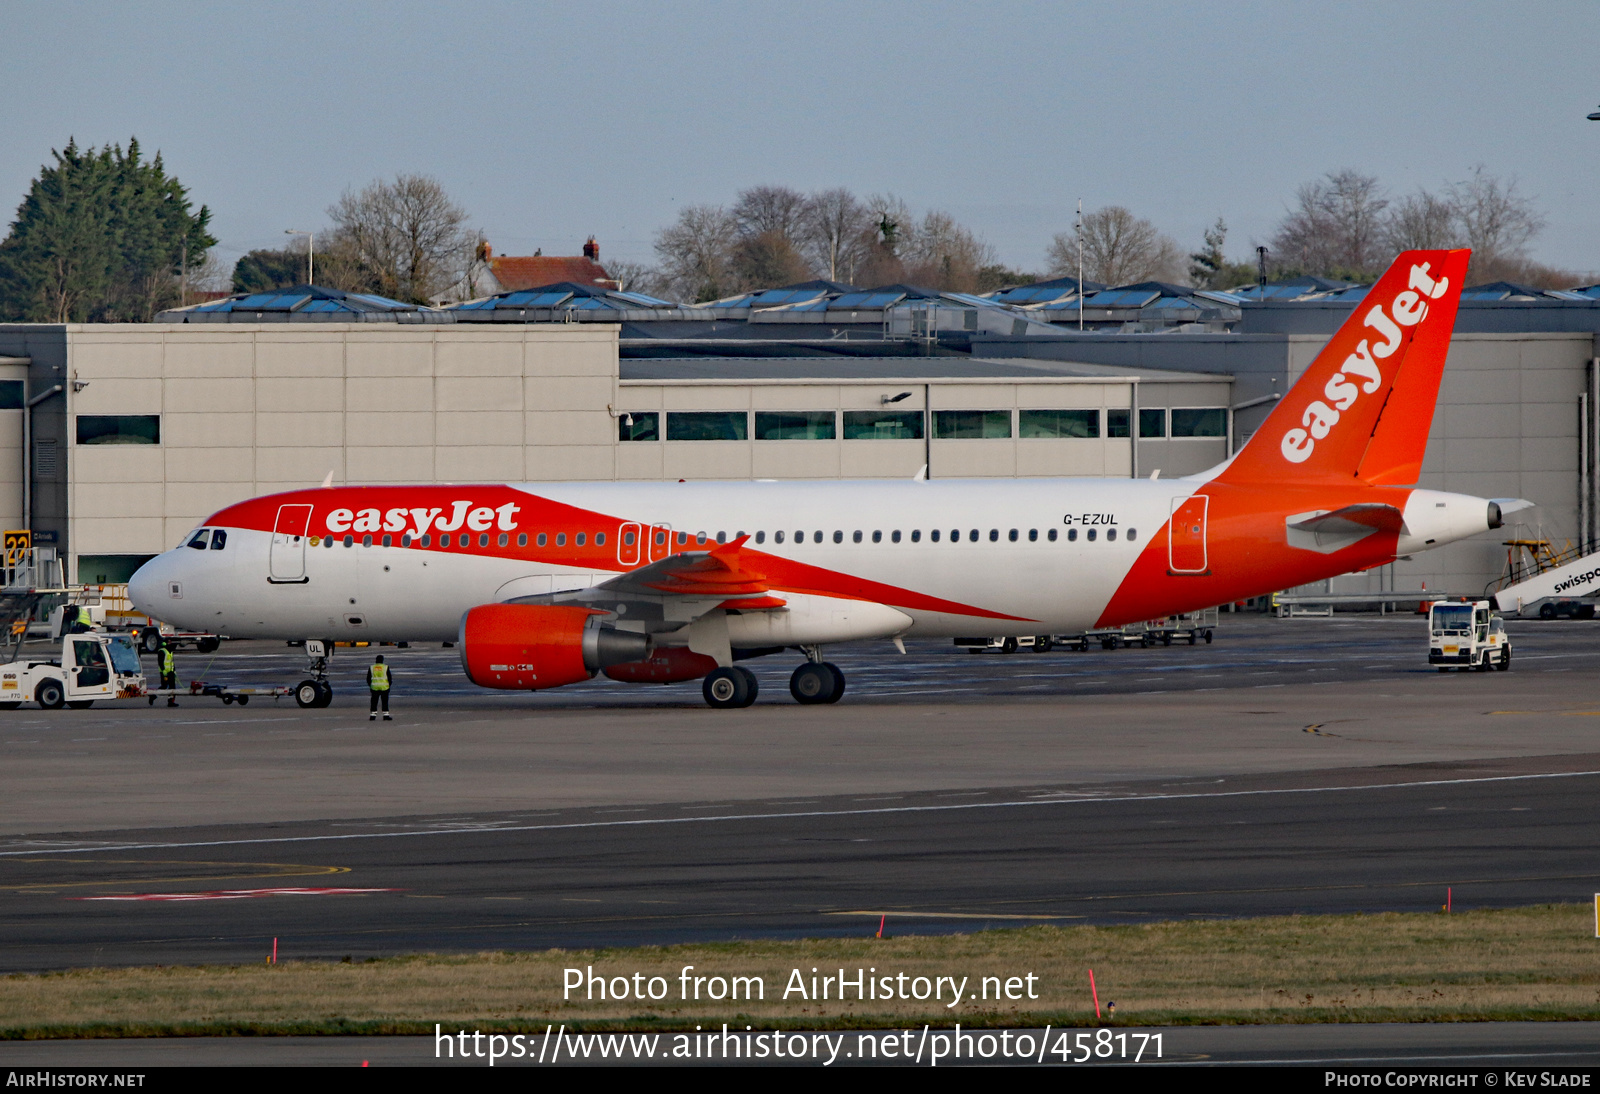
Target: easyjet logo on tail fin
[1360, 374]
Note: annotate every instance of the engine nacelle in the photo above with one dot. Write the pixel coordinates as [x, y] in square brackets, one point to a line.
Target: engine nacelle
[530, 647]
[668, 665]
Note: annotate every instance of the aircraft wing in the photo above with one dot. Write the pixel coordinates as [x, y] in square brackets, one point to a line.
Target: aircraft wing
[678, 589]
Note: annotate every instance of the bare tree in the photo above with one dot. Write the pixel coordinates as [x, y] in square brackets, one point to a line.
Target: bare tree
[696, 253]
[1422, 222]
[406, 234]
[1118, 249]
[638, 277]
[940, 254]
[768, 259]
[762, 209]
[837, 233]
[1336, 227]
[1496, 222]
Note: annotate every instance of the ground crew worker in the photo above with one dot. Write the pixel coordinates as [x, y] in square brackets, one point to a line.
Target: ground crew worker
[378, 685]
[169, 672]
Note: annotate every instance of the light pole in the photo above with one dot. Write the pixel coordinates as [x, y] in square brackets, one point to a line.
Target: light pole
[311, 252]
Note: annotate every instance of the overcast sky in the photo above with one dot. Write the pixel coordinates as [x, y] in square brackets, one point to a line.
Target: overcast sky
[550, 122]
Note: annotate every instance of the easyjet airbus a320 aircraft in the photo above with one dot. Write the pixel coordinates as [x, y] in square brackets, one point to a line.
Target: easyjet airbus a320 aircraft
[544, 585]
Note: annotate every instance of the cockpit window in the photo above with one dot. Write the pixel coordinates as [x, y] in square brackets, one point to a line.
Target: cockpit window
[198, 540]
[219, 540]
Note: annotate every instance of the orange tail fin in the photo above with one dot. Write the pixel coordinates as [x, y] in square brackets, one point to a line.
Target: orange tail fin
[1364, 407]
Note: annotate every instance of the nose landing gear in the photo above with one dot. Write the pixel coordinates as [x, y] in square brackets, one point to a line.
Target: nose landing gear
[315, 692]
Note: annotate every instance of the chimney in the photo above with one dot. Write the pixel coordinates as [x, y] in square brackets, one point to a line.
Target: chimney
[591, 250]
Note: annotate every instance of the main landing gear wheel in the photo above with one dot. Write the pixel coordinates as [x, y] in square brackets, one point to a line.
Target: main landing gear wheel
[727, 689]
[816, 682]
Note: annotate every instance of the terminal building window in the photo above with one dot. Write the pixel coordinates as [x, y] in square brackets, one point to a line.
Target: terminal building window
[1152, 422]
[971, 424]
[644, 427]
[883, 425]
[119, 429]
[795, 425]
[1209, 421]
[716, 425]
[10, 395]
[1117, 424]
[1058, 423]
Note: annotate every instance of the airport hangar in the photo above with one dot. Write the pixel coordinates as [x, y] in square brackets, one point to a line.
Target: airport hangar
[122, 437]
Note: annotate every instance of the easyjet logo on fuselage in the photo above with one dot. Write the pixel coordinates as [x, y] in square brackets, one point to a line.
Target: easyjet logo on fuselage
[421, 521]
[1343, 390]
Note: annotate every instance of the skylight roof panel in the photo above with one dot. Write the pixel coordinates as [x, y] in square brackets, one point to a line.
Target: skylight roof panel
[851, 300]
[648, 301]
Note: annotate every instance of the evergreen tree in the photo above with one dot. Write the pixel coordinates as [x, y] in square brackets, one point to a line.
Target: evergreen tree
[261, 270]
[101, 236]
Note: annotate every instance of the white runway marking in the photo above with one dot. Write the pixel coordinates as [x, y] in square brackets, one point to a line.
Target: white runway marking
[730, 817]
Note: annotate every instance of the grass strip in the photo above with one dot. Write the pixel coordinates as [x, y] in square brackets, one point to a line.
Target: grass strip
[1523, 964]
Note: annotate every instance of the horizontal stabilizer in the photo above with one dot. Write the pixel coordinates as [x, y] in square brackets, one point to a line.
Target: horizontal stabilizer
[1327, 531]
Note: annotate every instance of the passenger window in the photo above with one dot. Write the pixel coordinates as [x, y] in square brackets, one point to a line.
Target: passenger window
[916, 535]
[877, 537]
[838, 536]
[349, 541]
[816, 537]
[504, 539]
[388, 541]
[1133, 534]
[522, 539]
[722, 537]
[599, 539]
[700, 539]
[366, 541]
[894, 536]
[1111, 535]
[973, 536]
[761, 537]
[627, 539]
[427, 541]
[777, 537]
[934, 535]
[1052, 535]
[683, 537]
[219, 540]
[1012, 536]
[543, 539]
[483, 540]
[198, 541]
[1033, 535]
[1072, 535]
[561, 539]
[1092, 534]
[327, 541]
[994, 535]
[405, 540]
[578, 539]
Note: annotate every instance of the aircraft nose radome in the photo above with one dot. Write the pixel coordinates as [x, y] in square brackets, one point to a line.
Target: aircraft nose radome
[147, 584]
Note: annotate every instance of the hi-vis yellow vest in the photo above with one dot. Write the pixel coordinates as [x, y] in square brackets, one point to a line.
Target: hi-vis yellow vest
[378, 676]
